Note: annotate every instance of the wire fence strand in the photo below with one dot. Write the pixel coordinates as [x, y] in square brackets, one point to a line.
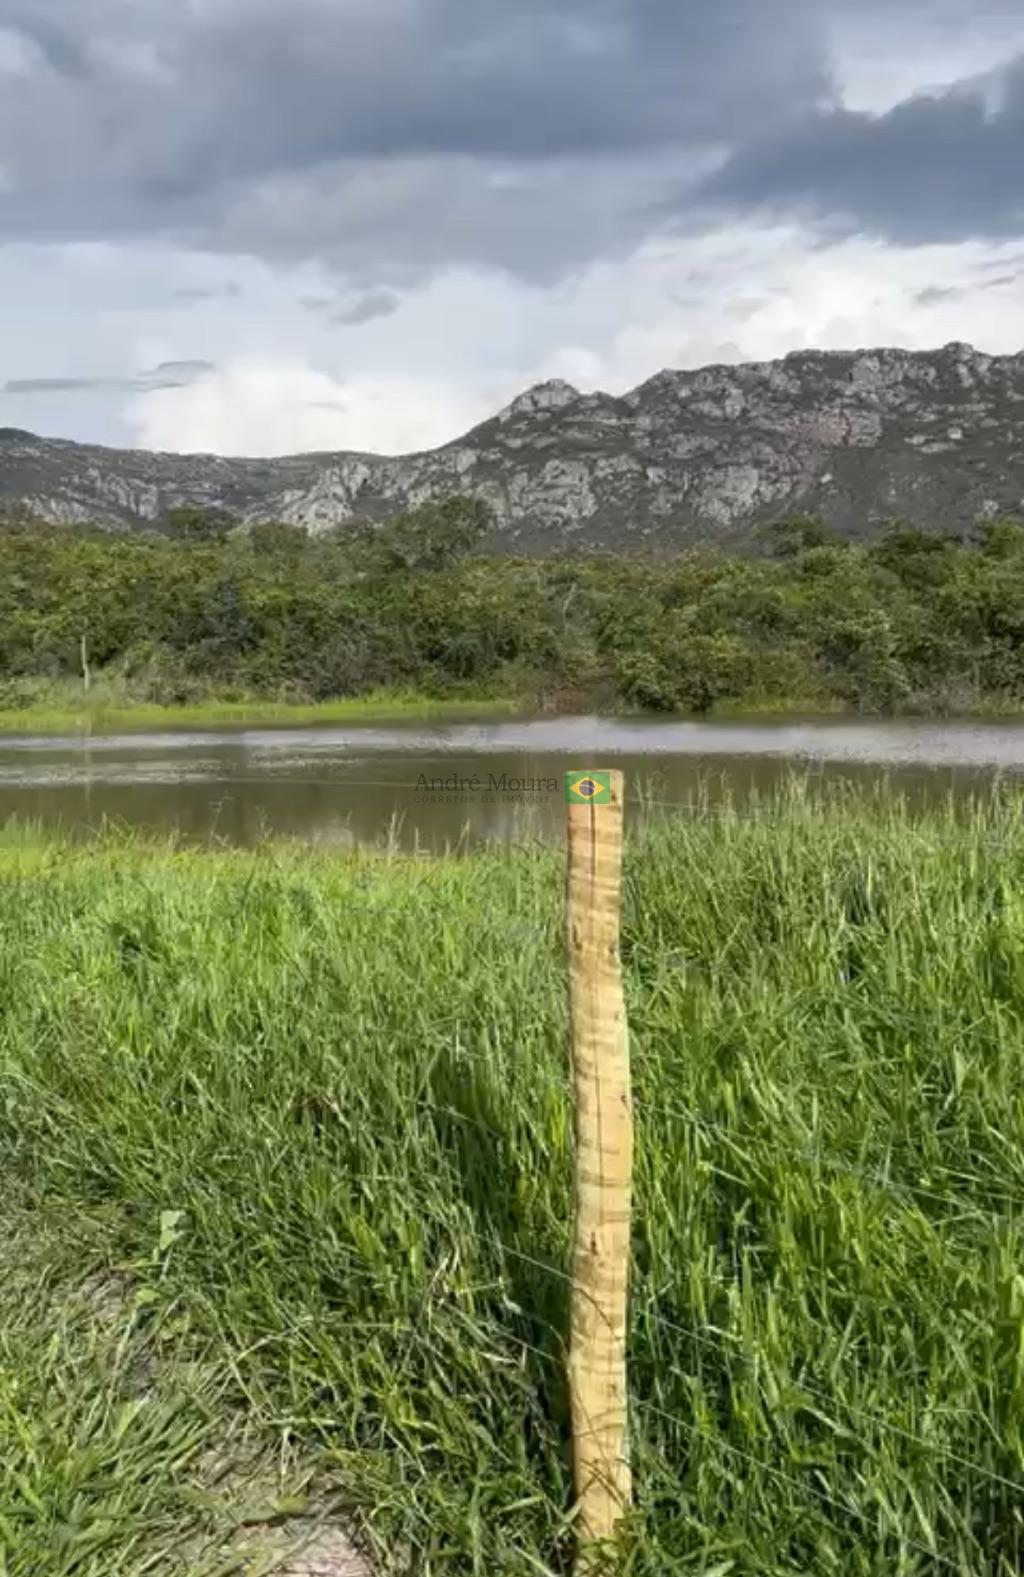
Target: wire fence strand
[788, 1479]
[880, 1180]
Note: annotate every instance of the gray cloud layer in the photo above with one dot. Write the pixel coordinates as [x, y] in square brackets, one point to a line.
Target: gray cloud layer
[242, 87]
[391, 137]
[933, 169]
[198, 120]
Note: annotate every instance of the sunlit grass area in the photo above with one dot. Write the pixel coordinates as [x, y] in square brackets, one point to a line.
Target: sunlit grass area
[309, 1117]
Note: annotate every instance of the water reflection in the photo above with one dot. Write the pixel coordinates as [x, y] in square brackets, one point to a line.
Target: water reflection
[337, 786]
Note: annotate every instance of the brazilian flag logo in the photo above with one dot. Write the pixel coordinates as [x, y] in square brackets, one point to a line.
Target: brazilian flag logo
[588, 788]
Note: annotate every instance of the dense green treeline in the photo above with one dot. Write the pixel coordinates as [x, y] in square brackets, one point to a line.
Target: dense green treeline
[911, 620]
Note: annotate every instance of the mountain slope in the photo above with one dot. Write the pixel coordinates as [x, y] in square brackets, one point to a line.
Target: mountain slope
[858, 437]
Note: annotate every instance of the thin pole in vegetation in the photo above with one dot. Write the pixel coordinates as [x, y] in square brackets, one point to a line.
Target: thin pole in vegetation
[84, 653]
[603, 1158]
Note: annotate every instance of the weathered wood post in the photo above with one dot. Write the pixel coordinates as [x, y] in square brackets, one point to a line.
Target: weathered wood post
[603, 1158]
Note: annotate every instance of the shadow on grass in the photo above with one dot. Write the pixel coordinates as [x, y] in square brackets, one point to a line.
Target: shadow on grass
[491, 1141]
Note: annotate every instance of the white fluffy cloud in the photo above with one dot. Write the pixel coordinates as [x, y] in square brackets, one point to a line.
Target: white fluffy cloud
[259, 407]
[459, 348]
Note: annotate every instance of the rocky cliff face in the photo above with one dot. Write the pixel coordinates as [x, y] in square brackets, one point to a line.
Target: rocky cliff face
[857, 437]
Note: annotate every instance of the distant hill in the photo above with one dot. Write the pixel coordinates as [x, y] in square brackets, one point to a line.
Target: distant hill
[858, 437]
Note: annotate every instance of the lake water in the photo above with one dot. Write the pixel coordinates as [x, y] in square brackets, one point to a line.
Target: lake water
[466, 782]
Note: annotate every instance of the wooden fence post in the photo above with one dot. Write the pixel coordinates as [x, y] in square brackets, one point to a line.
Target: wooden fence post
[603, 1158]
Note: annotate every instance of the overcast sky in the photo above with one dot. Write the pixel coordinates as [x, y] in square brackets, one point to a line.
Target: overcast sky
[259, 226]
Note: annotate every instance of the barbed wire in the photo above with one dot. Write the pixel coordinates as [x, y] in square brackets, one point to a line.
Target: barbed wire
[641, 1316]
[814, 1157]
[559, 1074]
[795, 1483]
[818, 777]
[831, 1399]
[726, 806]
[830, 814]
[935, 1448]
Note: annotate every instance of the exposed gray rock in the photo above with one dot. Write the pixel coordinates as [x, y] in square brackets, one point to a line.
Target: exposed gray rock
[856, 436]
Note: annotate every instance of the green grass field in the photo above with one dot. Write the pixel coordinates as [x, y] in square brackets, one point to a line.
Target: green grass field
[63, 707]
[286, 1150]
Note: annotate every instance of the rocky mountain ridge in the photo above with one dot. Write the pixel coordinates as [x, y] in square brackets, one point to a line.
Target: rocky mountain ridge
[858, 437]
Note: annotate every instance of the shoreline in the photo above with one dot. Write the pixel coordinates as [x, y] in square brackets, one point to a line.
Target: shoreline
[121, 716]
[104, 717]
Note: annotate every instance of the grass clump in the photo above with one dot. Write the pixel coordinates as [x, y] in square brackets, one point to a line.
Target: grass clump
[339, 1088]
[63, 706]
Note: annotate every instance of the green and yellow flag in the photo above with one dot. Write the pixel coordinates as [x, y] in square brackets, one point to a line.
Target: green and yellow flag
[587, 788]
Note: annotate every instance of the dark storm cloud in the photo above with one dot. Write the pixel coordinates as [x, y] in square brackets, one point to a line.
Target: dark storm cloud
[52, 385]
[227, 292]
[932, 294]
[150, 117]
[390, 137]
[168, 375]
[240, 87]
[935, 168]
[194, 367]
[174, 374]
[364, 309]
[375, 304]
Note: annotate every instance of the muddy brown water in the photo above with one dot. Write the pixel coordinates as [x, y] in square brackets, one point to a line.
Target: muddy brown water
[432, 785]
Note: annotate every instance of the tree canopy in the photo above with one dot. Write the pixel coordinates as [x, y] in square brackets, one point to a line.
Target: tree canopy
[911, 619]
